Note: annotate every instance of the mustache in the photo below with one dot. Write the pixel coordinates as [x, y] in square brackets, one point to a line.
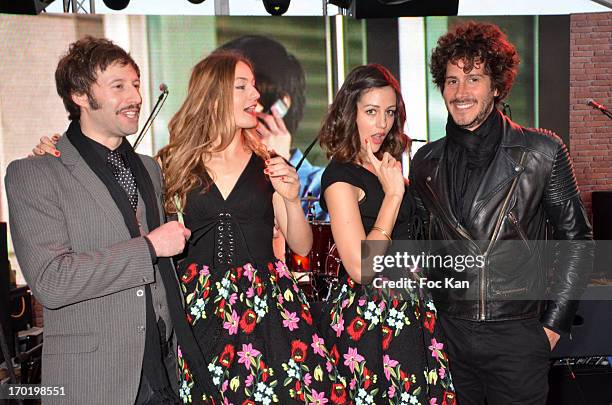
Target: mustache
[463, 100]
[130, 107]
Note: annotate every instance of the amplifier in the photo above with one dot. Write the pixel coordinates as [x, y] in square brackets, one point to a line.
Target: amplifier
[602, 232]
[591, 334]
[580, 381]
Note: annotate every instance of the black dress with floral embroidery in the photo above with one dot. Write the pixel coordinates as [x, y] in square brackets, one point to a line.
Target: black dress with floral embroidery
[250, 318]
[389, 349]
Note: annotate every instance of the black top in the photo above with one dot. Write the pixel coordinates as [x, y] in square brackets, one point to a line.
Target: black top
[369, 206]
[102, 150]
[239, 227]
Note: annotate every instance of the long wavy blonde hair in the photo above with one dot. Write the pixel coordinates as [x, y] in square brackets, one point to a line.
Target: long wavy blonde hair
[206, 115]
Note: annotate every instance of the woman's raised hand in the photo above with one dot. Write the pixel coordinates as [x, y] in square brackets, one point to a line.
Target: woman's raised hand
[283, 177]
[388, 170]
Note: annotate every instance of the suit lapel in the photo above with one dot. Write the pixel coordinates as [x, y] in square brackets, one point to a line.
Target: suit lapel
[73, 161]
[153, 174]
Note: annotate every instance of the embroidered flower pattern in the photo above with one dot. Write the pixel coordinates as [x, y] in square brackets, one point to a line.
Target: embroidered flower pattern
[239, 302]
[409, 366]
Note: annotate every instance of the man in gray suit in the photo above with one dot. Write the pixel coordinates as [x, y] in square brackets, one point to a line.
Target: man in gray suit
[87, 234]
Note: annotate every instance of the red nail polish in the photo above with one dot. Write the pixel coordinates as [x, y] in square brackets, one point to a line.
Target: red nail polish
[57, 154]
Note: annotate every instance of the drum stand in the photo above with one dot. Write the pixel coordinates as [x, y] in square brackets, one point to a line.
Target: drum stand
[331, 284]
[8, 359]
[322, 273]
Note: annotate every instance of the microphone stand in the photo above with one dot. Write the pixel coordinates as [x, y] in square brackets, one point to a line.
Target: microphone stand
[607, 113]
[306, 152]
[156, 109]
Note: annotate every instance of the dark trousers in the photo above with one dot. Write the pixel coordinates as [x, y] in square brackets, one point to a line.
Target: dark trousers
[147, 395]
[503, 362]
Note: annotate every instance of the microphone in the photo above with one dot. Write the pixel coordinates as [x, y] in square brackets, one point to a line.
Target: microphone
[156, 109]
[592, 103]
[163, 88]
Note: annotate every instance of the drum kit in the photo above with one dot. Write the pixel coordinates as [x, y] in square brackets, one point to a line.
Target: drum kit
[317, 273]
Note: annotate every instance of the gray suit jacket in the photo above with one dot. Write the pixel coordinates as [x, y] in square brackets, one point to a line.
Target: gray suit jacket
[78, 258]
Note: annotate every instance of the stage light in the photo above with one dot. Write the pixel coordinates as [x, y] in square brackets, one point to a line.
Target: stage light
[23, 6]
[399, 8]
[276, 7]
[341, 3]
[116, 4]
[393, 2]
[196, 1]
[605, 3]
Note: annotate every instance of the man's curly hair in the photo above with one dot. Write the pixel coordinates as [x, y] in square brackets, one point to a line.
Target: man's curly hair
[474, 43]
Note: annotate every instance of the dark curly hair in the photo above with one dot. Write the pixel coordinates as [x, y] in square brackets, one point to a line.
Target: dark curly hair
[475, 43]
[277, 73]
[339, 136]
[78, 70]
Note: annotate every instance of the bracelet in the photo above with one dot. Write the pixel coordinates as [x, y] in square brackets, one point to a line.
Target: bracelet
[379, 229]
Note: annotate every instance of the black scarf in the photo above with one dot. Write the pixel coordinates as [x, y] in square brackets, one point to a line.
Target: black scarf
[468, 156]
[189, 346]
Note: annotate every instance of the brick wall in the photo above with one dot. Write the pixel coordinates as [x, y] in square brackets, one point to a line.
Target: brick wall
[591, 77]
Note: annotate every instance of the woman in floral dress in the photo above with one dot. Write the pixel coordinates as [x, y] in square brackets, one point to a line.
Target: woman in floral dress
[251, 321]
[387, 347]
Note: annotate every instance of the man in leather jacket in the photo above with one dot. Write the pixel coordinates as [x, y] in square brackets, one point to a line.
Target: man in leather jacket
[488, 182]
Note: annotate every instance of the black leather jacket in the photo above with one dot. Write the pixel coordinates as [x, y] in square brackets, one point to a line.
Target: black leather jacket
[529, 184]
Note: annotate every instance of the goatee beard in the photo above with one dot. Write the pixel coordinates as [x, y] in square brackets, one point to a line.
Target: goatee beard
[480, 118]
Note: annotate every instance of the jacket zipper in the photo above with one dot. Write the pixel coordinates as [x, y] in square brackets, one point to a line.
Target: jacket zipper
[514, 220]
[500, 220]
[460, 230]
